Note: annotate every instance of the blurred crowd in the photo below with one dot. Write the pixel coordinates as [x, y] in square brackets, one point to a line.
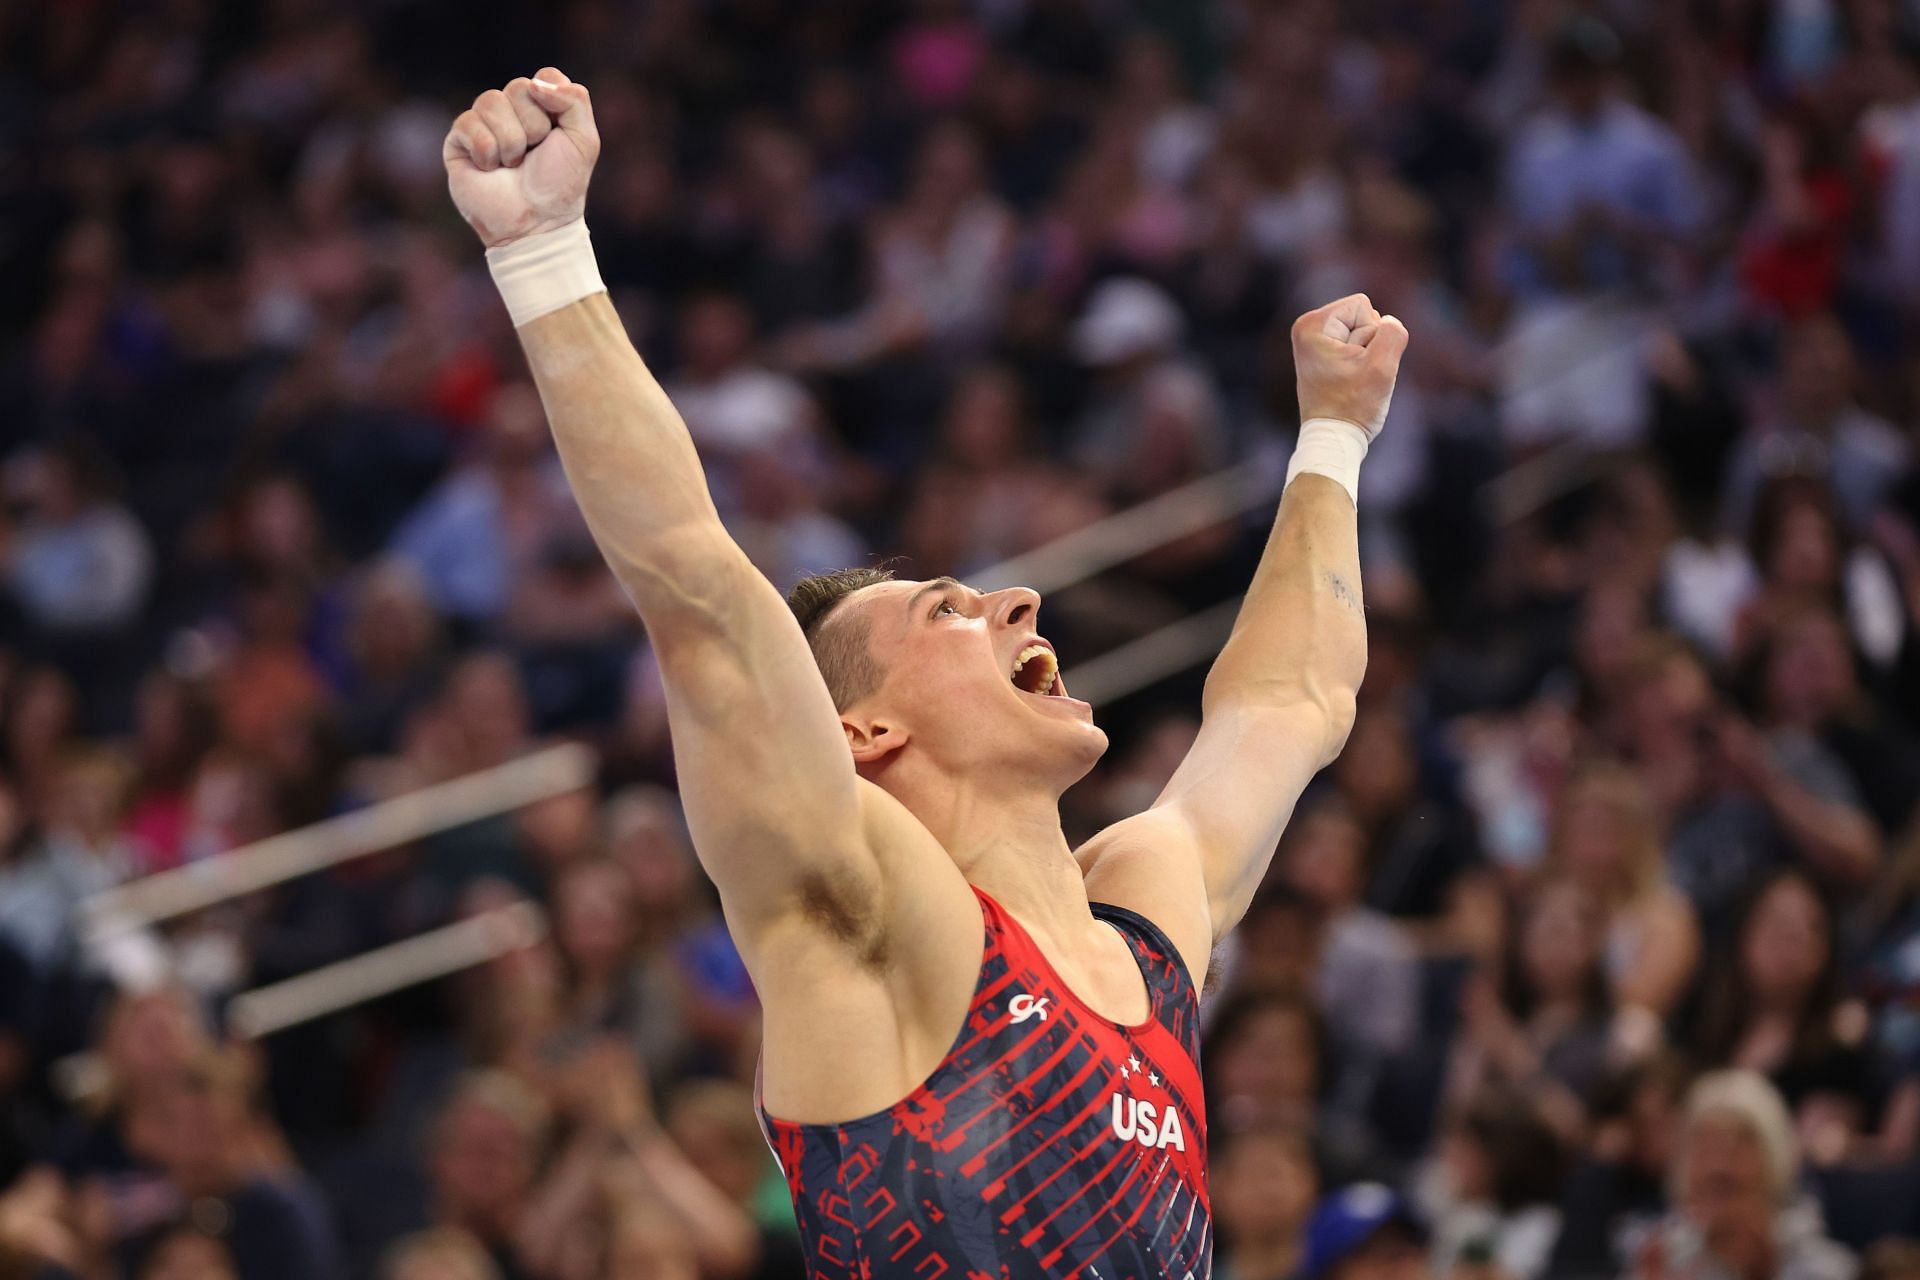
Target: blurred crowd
[1596, 954]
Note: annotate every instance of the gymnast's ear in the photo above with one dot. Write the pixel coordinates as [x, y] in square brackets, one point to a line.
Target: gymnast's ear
[872, 740]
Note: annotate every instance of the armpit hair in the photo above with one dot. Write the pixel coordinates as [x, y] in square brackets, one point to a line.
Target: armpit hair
[841, 903]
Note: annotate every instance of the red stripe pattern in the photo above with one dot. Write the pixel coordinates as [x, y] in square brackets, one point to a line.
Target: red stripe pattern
[1050, 1142]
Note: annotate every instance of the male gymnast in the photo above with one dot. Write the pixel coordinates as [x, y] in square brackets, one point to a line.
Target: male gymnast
[981, 1044]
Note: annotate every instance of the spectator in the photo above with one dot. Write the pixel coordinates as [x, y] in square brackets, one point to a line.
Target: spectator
[1806, 561]
[477, 535]
[1817, 426]
[733, 405]
[484, 1152]
[715, 1123]
[1734, 810]
[1814, 710]
[1266, 1055]
[1489, 1198]
[1365, 977]
[81, 852]
[78, 563]
[1735, 1210]
[1775, 1007]
[1155, 420]
[1420, 853]
[1594, 183]
[1618, 1188]
[1364, 1232]
[174, 729]
[1606, 843]
[1264, 1186]
[1543, 1032]
[594, 927]
[198, 1126]
[393, 642]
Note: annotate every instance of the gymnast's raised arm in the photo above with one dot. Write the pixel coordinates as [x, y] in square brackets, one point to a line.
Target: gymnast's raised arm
[765, 772]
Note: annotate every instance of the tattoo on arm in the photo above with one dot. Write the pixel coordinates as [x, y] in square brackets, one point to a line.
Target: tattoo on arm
[1344, 592]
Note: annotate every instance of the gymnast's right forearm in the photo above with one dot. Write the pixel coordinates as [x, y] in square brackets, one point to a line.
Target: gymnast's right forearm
[632, 466]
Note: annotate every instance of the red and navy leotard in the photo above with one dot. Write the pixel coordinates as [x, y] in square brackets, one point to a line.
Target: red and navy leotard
[1050, 1142]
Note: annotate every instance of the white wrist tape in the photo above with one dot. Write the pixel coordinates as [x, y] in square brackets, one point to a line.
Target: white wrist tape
[545, 272]
[1332, 448]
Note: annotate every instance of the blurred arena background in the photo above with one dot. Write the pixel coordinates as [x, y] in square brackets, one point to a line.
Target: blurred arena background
[295, 600]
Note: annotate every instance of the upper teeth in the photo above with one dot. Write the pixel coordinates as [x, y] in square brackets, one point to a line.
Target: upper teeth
[1031, 652]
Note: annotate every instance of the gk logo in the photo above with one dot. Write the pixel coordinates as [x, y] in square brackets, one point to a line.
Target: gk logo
[1024, 1006]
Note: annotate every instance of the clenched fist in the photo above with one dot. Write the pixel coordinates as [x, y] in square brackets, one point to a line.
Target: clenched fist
[1346, 357]
[518, 161]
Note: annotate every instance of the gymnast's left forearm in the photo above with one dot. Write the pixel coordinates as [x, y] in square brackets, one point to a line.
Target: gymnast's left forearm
[1301, 637]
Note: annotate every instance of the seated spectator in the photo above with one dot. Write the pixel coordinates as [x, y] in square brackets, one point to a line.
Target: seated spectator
[1595, 184]
[81, 851]
[1264, 1056]
[174, 729]
[1806, 560]
[1365, 1232]
[1154, 420]
[269, 530]
[201, 1128]
[938, 263]
[1733, 810]
[1490, 1192]
[1367, 977]
[1815, 425]
[731, 403]
[79, 562]
[1735, 1207]
[780, 518]
[1606, 843]
[1541, 1029]
[1815, 711]
[393, 644]
[143, 1040]
[1264, 1185]
[40, 719]
[478, 532]
[484, 1151]
[941, 256]
[1790, 261]
[1421, 853]
[593, 928]
[714, 1122]
[989, 462]
[1619, 1185]
[267, 679]
[616, 1163]
[1775, 1007]
[1268, 1065]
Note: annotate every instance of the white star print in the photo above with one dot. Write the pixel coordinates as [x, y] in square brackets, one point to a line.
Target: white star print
[1153, 1079]
[1134, 1063]
[1123, 1073]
